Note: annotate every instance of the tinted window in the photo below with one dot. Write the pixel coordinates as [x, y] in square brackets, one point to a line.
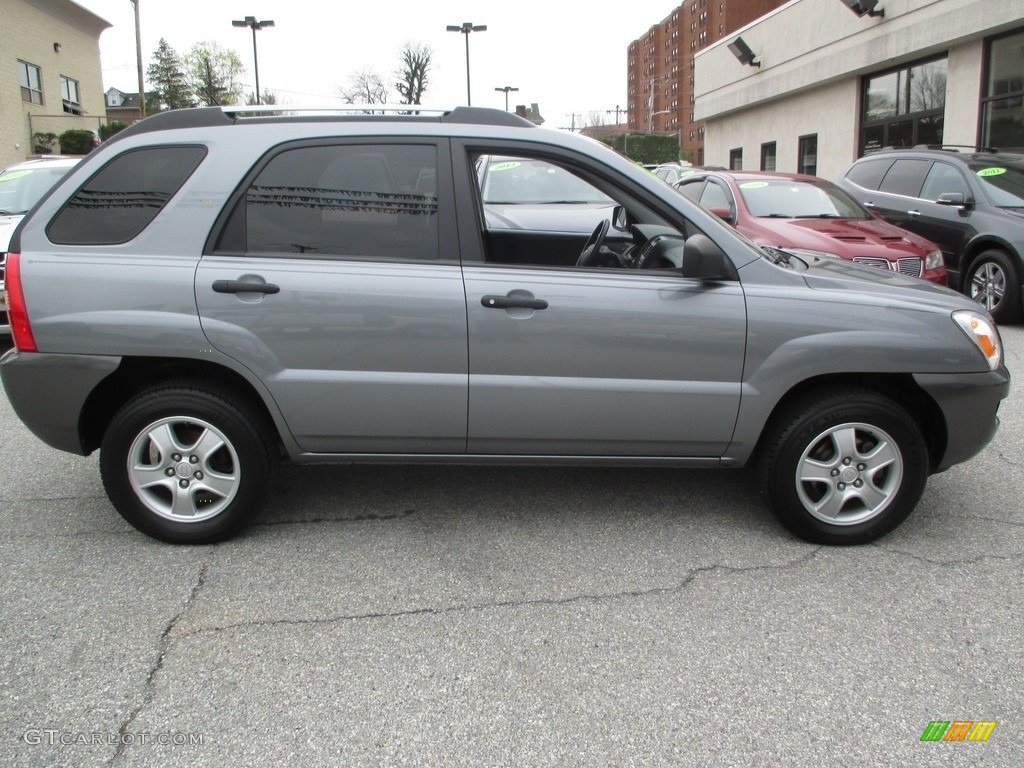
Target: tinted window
[691, 188]
[943, 178]
[1003, 183]
[868, 173]
[119, 201]
[715, 197]
[905, 177]
[377, 201]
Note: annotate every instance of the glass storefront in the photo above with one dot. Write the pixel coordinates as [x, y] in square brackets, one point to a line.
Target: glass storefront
[904, 107]
[1002, 105]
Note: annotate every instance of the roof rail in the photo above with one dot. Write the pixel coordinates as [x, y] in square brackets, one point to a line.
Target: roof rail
[957, 147]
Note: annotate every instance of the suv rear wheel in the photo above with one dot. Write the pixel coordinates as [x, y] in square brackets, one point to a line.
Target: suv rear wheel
[993, 282]
[844, 468]
[186, 465]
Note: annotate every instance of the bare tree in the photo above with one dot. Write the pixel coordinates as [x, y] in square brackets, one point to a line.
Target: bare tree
[211, 73]
[413, 74]
[365, 87]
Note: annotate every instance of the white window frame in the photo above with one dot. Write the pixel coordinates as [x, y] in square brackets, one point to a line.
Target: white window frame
[33, 91]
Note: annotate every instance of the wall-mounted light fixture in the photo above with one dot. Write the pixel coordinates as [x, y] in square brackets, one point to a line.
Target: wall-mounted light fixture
[864, 7]
[56, 47]
[742, 52]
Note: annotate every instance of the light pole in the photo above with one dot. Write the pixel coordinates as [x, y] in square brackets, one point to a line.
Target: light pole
[250, 21]
[506, 89]
[466, 28]
[138, 57]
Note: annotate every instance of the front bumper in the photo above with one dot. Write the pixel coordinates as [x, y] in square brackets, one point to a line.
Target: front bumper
[970, 405]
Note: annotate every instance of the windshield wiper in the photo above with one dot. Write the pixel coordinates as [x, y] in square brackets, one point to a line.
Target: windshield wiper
[818, 216]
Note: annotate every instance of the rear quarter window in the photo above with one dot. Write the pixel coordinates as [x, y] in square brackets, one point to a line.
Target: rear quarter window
[868, 174]
[124, 196]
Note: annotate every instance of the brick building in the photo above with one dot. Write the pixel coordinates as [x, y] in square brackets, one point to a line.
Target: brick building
[661, 66]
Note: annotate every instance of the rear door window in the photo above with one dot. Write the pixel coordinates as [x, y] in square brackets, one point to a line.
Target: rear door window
[375, 201]
[905, 177]
[123, 197]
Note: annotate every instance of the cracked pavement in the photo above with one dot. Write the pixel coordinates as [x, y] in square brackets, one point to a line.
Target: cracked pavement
[512, 617]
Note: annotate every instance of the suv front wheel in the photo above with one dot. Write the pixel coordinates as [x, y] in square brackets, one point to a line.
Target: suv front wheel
[845, 467]
[185, 465]
[993, 282]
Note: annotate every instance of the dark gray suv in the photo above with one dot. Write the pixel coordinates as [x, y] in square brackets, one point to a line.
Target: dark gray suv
[970, 204]
[215, 289]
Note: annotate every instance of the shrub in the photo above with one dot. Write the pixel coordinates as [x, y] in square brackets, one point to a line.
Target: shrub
[108, 130]
[76, 142]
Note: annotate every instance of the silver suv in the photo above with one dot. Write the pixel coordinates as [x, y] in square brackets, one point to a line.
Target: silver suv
[214, 289]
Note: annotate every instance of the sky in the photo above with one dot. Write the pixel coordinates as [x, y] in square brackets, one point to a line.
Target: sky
[569, 56]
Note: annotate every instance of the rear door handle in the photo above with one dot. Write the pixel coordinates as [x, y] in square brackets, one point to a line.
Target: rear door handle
[243, 286]
[913, 213]
[512, 302]
[869, 205]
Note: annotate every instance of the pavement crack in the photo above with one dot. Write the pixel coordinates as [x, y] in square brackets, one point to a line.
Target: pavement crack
[947, 563]
[164, 644]
[355, 519]
[690, 577]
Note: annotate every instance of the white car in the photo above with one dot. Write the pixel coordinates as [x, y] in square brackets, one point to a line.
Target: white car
[21, 186]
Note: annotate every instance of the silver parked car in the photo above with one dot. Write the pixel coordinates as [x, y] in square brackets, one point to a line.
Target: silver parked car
[213, 289]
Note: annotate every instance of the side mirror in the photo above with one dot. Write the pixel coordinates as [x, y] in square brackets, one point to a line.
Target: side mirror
[955, 199]
[724, 214]
[704, 260]
[619, 219]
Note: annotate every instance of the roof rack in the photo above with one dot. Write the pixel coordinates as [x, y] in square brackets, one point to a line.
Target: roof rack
[277, 110]
[957, 147]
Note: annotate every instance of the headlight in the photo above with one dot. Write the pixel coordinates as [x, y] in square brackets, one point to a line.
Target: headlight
[934, 260]
[983, 333]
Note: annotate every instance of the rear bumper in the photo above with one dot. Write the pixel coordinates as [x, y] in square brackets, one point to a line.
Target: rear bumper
[48, 392]
[970, 405]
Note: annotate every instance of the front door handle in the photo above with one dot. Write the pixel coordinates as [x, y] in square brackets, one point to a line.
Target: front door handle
[243, 286]
[913, 213]
[512, 302]
[869, 204]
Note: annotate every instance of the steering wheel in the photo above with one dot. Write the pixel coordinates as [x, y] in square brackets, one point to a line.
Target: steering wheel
[593, 245]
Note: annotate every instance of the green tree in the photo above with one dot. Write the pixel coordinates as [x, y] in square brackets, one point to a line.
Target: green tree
[267, 97]
[211, 72]
[170, 86]
[413, 73]
[76, 141]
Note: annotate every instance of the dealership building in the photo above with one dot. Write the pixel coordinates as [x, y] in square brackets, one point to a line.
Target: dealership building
[815, 84]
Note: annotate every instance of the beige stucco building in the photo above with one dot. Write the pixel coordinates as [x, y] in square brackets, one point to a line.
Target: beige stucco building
[832, 85]
[50, 74]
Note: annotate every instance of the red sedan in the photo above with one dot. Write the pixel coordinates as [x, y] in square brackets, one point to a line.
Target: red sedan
[786, 210]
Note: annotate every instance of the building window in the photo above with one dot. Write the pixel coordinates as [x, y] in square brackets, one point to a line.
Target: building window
[807, 155]
[31, 83]
[904, 107]
[768, 156]
[1002, 107]
[736, 159]
[69, 95]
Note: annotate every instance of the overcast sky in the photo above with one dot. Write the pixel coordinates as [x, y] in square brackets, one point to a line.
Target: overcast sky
[568, 56]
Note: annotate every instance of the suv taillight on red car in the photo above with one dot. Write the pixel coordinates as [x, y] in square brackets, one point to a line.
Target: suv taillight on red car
[17, 312]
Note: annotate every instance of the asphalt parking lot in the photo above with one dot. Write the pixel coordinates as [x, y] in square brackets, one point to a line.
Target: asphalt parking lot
[509, 617]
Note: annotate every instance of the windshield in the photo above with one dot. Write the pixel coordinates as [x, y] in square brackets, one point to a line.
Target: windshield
[20, 189]
[519, 181]
[1004, 184]
[792, 199]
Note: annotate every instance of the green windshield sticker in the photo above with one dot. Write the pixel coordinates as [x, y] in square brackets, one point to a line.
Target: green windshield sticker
[684, 174]
[991, 171]
[754, 185]
[13, 175]
[504, 166]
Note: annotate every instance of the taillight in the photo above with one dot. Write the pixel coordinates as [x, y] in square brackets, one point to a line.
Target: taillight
[17, 313]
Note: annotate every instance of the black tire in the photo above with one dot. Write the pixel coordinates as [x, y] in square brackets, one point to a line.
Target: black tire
[213, 487]
[994, 282]
[845, 467]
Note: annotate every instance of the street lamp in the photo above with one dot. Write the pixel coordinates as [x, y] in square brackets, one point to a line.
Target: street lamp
[250, 21]
[506, 89]
[466, 28]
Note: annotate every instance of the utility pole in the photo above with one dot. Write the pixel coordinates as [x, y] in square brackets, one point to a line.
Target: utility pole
[138, 56]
